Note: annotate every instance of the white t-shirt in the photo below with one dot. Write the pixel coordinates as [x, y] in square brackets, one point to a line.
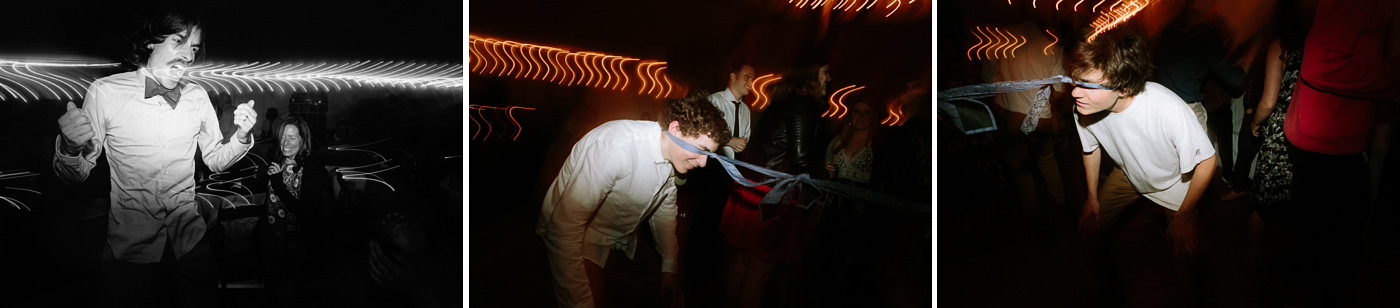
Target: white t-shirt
[1154, 141]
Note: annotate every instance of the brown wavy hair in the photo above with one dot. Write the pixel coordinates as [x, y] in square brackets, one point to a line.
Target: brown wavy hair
[801, 80]
[1122, 57]
[697, 116]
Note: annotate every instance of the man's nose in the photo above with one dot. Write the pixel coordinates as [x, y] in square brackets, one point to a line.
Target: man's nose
[702, 162]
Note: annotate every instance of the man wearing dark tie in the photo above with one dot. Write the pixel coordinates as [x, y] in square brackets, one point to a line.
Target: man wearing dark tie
[736, 114]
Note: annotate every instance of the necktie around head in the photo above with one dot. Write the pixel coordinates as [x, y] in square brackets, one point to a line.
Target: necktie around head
[154, 88]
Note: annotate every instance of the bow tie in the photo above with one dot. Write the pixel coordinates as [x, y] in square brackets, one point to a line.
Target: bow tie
[154, 88]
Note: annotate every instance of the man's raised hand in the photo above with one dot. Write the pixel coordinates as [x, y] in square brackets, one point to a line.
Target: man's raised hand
[77, 130]
[244, 117]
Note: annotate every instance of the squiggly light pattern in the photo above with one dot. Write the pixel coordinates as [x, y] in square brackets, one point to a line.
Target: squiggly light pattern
[762, 82]
[1047, 47]
[832, 106]
[998, 44]
[568, 68]
[841, 101]
[847, 5]
[509, 111]
[1116, 15]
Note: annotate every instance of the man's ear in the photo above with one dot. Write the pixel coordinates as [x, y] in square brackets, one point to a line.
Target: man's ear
[674, 128]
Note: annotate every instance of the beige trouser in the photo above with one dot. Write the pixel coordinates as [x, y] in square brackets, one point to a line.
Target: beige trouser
[1115, 194]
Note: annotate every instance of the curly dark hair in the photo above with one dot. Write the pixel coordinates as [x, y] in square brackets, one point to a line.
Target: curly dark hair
[1122, 57]
[154, 30]
[697, 116]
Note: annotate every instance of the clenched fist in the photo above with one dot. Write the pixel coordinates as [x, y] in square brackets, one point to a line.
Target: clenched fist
[77, 131]
[245, 118]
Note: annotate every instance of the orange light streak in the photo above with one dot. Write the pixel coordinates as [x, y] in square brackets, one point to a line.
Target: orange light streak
[578, 74]
[515, 66]
[1113, 18]
[617, 72]
[527, 56]
[1057, 4]
[643, 86]
[518, 128]
[753, 85]
[1096, 6]
[991, 52]
[529, 61]
[989, 42]
[979, 43]
[625, 79]
[656, 80]
[831, 108]
[538, 57]
[1033, 4]
[1076, 5]
[591, 73]
[496, 59]
[666, 85]
[842, 101]
[1018, 46]
[763, 98]
[1047, 47]
[896, 8]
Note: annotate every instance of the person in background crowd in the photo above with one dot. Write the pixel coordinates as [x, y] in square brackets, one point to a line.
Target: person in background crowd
[1350, 60]
[290, 231]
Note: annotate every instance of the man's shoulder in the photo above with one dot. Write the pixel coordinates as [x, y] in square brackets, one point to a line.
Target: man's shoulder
[127, 79]
[624, 129]
[1158, 93]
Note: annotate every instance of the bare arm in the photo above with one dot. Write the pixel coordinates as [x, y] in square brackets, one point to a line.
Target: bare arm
[1091, 175]
[1183, 229]
[1273, 79]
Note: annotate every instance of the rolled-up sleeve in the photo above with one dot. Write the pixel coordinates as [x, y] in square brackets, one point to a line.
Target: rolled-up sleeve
[75, 169]
[218, 155]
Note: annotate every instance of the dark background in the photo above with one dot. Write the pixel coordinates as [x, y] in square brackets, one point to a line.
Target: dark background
[53, 246]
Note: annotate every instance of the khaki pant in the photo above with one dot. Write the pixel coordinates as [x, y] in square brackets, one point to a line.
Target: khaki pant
[1115, 194]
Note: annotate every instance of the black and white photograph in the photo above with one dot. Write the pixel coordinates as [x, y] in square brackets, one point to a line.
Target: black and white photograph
[232, 154]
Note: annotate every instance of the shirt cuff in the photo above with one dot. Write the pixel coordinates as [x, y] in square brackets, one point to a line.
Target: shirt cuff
[58, 152]
[668, 265]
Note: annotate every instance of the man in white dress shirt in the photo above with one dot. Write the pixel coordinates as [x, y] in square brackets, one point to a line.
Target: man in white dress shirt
[618, 175]
[149, 123]
[736, 114]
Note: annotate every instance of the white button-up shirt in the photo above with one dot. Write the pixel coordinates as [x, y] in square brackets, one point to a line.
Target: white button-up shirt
[736, 116]
[616, 176]
[150, 148]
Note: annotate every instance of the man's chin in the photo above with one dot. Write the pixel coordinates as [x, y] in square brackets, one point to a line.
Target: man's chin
[1083, 111]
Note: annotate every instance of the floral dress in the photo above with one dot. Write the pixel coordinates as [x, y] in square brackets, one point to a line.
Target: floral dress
[1273, 175]
[283, 249]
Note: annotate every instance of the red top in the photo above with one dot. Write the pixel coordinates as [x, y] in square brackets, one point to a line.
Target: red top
[1344, 70]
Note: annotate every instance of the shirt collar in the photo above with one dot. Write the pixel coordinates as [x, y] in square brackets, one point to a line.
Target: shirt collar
[654, 142]
[727, 96]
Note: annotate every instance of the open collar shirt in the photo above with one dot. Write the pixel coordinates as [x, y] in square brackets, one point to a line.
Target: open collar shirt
[614, 178]
[150, 148]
